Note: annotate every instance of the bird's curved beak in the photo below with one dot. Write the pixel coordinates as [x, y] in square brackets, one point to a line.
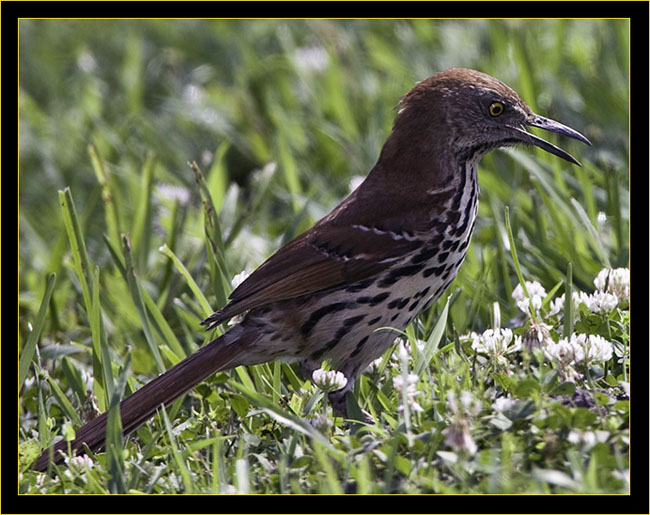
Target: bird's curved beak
[552, 126]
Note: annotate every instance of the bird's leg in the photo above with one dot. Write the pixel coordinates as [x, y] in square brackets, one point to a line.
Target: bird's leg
[340, 399]
[339, 402]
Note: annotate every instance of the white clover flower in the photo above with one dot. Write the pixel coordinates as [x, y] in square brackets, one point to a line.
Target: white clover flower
[87, 379]
[537, 335]
[495, 343]
[580, 349]
[599, 301]
[536, 292]
[492, 341]
[374, 365]
[458, 436]
[473, 335]
[595, 349]
[206, 157]
[562, 352]
[573, 436]
[329, 380]
[615, 282]
[557, 305]
[626, 387]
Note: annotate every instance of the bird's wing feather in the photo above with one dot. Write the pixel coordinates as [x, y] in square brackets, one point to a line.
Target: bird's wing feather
[324, 257]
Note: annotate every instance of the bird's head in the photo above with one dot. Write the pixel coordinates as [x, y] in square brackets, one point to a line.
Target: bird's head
[465, 111]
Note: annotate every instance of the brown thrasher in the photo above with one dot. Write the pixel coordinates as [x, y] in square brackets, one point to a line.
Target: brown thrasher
[385, 254]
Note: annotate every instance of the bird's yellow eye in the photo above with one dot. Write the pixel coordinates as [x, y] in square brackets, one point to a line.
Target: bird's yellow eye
[496, 109]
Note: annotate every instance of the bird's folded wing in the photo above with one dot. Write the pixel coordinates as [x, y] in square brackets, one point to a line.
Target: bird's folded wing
[322, 258]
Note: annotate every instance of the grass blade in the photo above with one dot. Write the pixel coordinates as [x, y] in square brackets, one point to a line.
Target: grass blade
[425, 355]
[218, 175]
[117, 259]
[100, 344]
[277, 381]
[290, 169]
[163, 326]
[141, 230]
[79, 254]
[74, 378]
[567, 329]
[29, 348]
[594, 239]
[111, 216]
[45, 434]
[136, 294]
[114, 439]
[221, 276]
[182, 469]
[332, 482]
[501, 232]
[63, 401]
[515, 260]
[205, 305]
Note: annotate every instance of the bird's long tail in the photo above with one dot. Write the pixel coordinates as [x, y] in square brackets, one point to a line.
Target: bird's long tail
[136, 409]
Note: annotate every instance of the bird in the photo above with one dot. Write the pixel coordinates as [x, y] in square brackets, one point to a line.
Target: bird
[385, 254]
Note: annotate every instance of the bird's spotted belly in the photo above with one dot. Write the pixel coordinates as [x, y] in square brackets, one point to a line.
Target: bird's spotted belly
[365, 329]
[354, 325]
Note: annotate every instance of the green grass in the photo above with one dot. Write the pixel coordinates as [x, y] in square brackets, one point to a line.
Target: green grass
[278, 117]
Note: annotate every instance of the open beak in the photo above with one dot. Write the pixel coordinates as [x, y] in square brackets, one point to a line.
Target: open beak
[552, 126]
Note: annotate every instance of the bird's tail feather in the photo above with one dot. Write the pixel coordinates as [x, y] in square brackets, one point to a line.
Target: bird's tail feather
[136, 409]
